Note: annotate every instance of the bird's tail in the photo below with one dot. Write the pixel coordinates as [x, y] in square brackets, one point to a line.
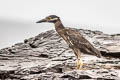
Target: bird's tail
[96, 52]
[92, 50]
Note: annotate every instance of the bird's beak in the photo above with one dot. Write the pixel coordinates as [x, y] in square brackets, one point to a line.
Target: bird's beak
[43, 20]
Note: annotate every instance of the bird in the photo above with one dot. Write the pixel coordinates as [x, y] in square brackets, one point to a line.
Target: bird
[73, 38]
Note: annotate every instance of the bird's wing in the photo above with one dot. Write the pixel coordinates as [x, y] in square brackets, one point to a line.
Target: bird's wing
[80, 42]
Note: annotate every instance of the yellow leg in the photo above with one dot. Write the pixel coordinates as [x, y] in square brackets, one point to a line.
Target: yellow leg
[79, 63]
[78, 56]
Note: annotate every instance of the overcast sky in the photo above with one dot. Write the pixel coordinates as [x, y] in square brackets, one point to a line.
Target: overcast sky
[18, 17]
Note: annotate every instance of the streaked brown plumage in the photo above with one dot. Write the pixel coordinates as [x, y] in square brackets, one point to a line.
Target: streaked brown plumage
[73, 38]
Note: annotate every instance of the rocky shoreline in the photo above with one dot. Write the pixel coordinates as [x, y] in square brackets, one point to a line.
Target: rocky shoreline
[47, 57]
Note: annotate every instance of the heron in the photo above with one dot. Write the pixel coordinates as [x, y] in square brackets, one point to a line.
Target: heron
[73, 38]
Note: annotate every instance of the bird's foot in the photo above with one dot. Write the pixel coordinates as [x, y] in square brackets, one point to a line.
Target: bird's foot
[79, 64]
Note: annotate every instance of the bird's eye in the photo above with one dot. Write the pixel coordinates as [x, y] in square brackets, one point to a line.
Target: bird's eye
[49, 17]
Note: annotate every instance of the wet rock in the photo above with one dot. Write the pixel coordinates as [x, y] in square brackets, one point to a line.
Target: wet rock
[47, 57]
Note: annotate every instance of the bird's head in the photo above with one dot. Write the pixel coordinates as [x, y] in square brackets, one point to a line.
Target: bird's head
[50, 19]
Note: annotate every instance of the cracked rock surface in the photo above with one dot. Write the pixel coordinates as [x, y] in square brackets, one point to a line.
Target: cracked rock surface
[47, 57]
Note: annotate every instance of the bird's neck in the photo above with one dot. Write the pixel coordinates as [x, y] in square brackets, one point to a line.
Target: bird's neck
[59, 25]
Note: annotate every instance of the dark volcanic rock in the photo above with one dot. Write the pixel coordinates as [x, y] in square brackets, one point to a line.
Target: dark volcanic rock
[47, 57]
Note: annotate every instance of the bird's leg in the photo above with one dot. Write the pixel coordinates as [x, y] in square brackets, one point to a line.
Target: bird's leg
[79, 59]
[79, 63]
